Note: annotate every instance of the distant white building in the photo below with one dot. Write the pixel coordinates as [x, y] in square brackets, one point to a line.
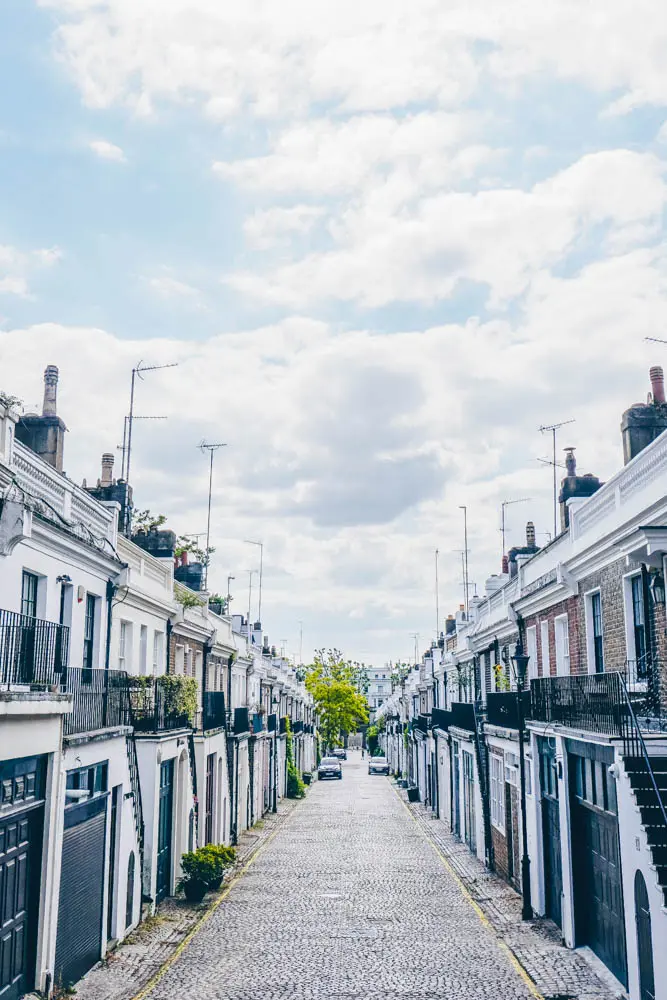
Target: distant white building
[379, 687]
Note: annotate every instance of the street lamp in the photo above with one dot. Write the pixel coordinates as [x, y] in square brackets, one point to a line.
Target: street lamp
[520, 661]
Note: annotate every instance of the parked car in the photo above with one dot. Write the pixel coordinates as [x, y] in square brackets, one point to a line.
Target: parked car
[339, 752]
[330, 767]
[378, 765]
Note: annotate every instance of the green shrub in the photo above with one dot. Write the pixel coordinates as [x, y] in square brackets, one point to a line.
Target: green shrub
[295, 786]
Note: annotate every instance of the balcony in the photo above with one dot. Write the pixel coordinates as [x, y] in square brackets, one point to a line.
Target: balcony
[100, 700]
[241, 721]
[440, 718]
[33, 652]
[258, 723]
[422, 723]
[213, 710]
[297, 727]
[158, 704]
[590, 702]
[502, 709]
[463, 715]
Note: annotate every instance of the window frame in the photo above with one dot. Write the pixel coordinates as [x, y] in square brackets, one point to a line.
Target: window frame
[562, 626]
[32, 581]
[531, 649]
[497, 791]
[545, 657]
[595, 660]
[89, 631]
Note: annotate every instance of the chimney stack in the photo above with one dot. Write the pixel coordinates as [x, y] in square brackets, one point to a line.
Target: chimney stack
[506, 565]
[530, 535]
[50, 404]
[570, 462]
[657, 384]
[644, 422]
[107, 470]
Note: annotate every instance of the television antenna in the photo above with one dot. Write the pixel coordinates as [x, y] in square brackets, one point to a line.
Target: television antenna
[211, 449]
[552, 429]
[508, 503]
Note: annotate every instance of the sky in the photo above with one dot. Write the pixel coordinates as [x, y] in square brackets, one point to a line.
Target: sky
[383, 242]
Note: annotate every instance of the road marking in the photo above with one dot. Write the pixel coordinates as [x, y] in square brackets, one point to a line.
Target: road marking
[205, 917]
[514, 960]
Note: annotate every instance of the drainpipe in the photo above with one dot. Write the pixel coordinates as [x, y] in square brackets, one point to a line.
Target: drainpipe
[235, 831]
[111, 590]
[170, 629]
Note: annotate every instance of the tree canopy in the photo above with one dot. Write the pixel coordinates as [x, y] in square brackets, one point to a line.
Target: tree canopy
[334, 684]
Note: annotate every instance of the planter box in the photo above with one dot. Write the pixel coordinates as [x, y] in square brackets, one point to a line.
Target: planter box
[413, 794]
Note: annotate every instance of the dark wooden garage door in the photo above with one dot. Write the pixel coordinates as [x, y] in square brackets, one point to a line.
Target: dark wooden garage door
[598, 891]
[21, 784]
[553, 866]
[81, 905]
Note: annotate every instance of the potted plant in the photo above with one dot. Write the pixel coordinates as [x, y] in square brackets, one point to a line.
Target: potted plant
[198, 870]
[222, 858]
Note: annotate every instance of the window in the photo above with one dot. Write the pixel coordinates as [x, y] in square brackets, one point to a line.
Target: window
[596, 632]
[122, 646]
[531, 644]
[497, 791]
[639, 625]
[157, 652]
[544, 639]
[562, 646]
[89, 632]
[29, 594]
[143, 649]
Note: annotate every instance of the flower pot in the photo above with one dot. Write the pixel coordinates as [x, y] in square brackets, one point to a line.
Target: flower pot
[195, 890]
[215, 883]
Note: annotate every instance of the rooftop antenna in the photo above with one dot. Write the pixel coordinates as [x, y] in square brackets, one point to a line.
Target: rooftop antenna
[260, 545]
[466, 585]
[123, 447]
[437, 598]
[508, 503]
[300, 643]
[552, 428]
[137, 372]
[211, 449]
[655, 340]
[415, 636]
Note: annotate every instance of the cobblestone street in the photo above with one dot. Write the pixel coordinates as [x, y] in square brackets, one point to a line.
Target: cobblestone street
[347, 900]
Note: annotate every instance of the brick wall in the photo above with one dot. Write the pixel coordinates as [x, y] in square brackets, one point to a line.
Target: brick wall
[609, 581]
[573, 608]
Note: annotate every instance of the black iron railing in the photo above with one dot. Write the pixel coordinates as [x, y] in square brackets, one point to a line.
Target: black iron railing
[32, 651]
[502, 708]
[213, 710]
[100, 700]
[591, 702]
[297, 727]
[441, 718]
[463, 715]
[157, 705]
[257, 723]
[421, 723]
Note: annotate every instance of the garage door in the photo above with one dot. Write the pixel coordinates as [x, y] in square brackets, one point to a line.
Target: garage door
[80, 910]
[598, 892]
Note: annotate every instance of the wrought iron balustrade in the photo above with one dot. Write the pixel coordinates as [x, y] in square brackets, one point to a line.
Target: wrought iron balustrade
[213, 710]
[100, 700]
[463, 715]
[502, 708]
[33, 652]
[590, 702]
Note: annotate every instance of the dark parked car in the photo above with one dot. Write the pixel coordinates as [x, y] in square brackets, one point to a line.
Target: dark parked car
[330, 767]
[378, 765]
[339, 752]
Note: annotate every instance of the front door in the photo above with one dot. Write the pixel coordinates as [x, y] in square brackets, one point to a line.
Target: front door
[456, 790]
[598, 892]
[553, 867]
[644, 940]
[165, 825]
[21, 825]
[469, 800]
[210, 796]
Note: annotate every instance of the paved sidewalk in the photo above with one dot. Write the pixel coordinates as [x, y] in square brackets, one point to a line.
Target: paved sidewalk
[558, 972]
[123, 973]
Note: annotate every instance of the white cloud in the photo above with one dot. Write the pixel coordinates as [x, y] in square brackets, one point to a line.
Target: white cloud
[16, 267]
[273, 226]
[169, 287]
[107, 150]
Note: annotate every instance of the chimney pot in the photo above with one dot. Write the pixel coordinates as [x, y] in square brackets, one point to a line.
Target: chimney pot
[570, 462]
[657, 384]
[506, 565]
[49, 406]
[107, 470]
[530, 534]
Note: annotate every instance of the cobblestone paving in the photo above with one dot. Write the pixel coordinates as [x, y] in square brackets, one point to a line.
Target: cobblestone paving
[557, 971]
[349, 900]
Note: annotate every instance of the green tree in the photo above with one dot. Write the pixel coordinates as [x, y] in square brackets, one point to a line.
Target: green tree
[340, 707]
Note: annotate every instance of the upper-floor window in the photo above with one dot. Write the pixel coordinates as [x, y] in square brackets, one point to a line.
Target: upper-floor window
[562, 646]
[89, 632]
[497, 788]
[639, 623]
[544, 642]
[531, 650]
[29, 594]
[123, 642]
[143, 649]
[596, 631]
[157, 652]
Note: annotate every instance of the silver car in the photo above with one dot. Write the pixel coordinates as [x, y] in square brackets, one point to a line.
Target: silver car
[330, 767]
[378, 765]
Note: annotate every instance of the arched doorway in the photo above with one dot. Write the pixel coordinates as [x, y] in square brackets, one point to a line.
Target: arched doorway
[644, 939]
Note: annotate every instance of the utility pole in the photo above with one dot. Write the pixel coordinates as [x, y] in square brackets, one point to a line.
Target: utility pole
[137, 372]
[300, 643]
[229, 593]
[464, 508]
[247, 541]
[437, 599]
[552, 428]
[251, 573]
[508, 503]
[211, 449]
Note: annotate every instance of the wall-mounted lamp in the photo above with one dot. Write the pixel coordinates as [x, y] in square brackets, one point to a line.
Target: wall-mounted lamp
[657, 587]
